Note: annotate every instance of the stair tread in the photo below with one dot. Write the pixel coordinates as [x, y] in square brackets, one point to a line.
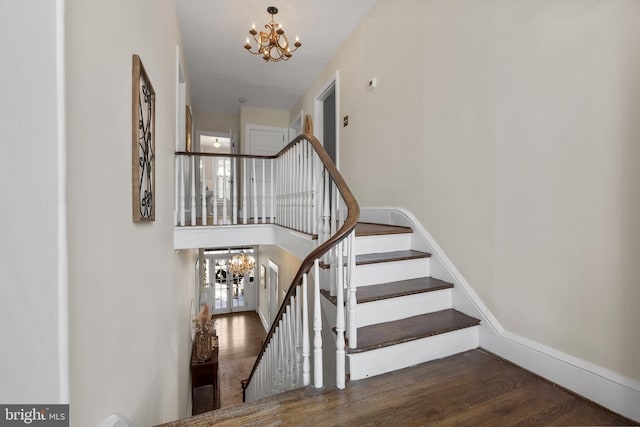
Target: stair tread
[378, 257]
[373, 229]
[400, 288]
[412, 328]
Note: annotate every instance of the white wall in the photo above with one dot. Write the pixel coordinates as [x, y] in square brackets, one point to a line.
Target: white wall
[217, 122]
[510, 130]
[129, 290]
[33, 360]
[288, 265]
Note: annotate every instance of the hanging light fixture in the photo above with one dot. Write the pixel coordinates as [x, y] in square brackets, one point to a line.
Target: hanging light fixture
[273, 45]
[242, 264]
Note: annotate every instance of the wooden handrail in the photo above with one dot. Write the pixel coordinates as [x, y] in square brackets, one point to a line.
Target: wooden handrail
[236, 156]
[347, 227]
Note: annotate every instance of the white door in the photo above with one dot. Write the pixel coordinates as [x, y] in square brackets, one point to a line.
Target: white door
[225, 292]
[262, 141]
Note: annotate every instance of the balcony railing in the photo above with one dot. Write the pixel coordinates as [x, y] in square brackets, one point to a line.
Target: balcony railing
[301, 189]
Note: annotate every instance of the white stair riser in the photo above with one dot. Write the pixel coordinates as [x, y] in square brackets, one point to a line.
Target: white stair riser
[384, 272]
[387, 310]
[383, 243]
[392, 358]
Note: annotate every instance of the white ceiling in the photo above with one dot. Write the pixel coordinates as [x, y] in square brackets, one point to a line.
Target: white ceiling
[220, 70]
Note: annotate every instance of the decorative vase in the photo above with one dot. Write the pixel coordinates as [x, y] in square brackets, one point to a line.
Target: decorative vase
[203, 346]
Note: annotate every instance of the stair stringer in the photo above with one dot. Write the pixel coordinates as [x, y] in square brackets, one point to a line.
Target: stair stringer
[612, 390]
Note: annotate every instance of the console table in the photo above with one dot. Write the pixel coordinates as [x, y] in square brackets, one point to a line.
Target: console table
[205, 389]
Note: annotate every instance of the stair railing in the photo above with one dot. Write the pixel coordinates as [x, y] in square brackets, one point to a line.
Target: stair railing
[310, 194]
[299, 188]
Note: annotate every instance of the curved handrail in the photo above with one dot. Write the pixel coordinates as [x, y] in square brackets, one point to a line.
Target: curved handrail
[347, 227]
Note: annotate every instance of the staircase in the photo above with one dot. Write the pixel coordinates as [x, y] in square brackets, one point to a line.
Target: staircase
[403, 315]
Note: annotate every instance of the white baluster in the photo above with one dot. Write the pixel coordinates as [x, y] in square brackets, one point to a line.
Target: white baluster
[292, 343]
[340, 353]
[183, 192]
[317, 328]
[193, 190]
[298, 329]
[224, 190]
[283, 358]
[245, 176]
[203, 185]
[317, 178]
[334, 209]
[290, 180]
[327, 207]
[254, 186]
[309, 197]
[306, 364]
[272, 212]
[176, 180]
[234, 191]
[214, 167]
[353, 330]
[295, 182]
[264, 195]
[285, 350]
[301, 186]
[276, 362]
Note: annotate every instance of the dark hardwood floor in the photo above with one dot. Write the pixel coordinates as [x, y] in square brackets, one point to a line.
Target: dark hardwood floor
[239, 334]
[240, 337]
[474, 388]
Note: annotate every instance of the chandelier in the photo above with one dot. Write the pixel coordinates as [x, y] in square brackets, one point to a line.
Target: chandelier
[242, 264]
[273, 44]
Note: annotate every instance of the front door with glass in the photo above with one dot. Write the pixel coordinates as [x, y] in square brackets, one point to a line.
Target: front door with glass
[227, 290]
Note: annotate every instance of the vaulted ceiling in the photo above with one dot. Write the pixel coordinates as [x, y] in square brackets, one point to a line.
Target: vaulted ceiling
[220, 70]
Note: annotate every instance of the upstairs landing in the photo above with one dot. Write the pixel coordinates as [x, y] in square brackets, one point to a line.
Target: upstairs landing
[473, 388]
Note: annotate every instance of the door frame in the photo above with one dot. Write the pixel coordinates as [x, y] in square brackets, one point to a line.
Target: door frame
[272, 289]
[250, 291]
[318, 102]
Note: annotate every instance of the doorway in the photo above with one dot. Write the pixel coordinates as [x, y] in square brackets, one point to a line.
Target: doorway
[224, 291]
[326, 113]
[261, 141]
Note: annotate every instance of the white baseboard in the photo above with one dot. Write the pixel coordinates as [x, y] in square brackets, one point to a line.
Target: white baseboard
[600, 385]
[609, 389]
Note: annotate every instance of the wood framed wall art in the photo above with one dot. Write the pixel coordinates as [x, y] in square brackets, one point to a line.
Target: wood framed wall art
[143, 109]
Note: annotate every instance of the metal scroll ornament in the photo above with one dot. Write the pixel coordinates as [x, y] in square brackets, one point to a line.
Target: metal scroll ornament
[143, 155]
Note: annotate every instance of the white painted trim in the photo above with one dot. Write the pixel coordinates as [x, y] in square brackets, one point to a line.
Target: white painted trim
[263, 319]
[63, 261]
[297, 243]
[296, 123]
[603, 386]
[318, 100]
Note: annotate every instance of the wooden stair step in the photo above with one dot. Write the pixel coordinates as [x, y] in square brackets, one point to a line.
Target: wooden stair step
[412, 328]
[399, 289]
[378, 257]
[373, 229]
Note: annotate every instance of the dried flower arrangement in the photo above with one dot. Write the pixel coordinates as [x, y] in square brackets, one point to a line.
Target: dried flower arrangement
[203, 334]
[203, 319]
